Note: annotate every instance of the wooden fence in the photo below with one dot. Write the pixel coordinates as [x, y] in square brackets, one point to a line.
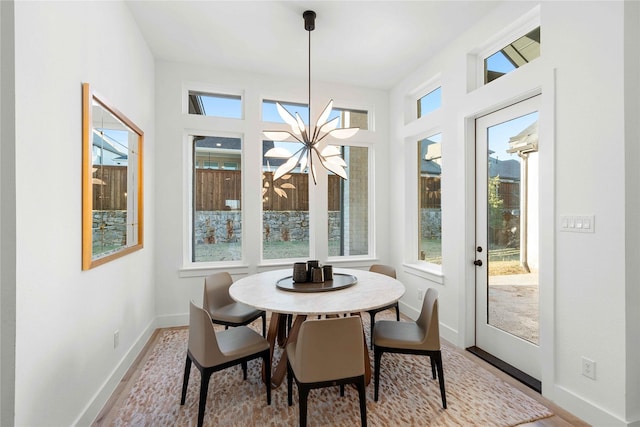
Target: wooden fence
[213, 187]
[110, 188]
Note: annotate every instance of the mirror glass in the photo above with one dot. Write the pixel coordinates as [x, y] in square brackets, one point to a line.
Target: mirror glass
[112, 220]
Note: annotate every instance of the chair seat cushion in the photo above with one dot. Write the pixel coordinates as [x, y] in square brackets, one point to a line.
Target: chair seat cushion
[236, 313]
[403, 335]
[240, 341]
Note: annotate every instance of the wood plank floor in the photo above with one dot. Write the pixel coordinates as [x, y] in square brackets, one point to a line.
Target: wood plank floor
[561, 417]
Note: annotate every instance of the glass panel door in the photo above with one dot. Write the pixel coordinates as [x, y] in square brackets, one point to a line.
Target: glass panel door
[507, 310]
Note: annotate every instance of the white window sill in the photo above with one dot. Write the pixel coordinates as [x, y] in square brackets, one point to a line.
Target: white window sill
[425, 271]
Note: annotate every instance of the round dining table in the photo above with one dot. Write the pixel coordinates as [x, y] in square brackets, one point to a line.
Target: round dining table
[273, 291]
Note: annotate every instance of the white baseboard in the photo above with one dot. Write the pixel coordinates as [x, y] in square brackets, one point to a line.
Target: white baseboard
[101, 397]
[588, 411]
[170, 321]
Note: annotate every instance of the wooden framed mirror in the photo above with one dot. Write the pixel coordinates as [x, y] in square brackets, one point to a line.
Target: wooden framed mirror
[112, 185]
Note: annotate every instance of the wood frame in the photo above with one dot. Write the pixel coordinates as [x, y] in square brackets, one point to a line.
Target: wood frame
[89, 97]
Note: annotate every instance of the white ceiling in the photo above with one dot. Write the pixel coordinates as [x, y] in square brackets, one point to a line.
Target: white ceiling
[365, 43]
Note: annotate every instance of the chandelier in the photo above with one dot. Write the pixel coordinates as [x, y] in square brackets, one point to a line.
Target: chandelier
[310, 138]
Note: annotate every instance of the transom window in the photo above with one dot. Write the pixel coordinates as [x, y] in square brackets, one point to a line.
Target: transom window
[429, 102]
[514, 55]
[348, 117]
[215, 104]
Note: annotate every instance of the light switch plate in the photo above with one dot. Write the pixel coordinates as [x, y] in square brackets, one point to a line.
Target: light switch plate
[578, 223]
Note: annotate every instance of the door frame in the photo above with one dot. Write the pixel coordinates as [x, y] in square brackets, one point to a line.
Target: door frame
[479, 103]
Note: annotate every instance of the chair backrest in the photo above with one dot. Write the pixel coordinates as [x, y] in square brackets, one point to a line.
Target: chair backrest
[203, 344]
[216, 291]
[383, 269]
[429, 321]
[330, 349]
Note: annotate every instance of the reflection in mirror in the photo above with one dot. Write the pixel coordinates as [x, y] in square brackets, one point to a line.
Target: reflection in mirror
[112, 182]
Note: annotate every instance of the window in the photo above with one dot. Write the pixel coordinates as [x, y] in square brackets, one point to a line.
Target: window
[429, 199]
[429, 102]
[351, 118]
[512, 56]
[348, 203]
[212, 104]
[217, 196]
[285, 207]
[270, 111]
[348, 117]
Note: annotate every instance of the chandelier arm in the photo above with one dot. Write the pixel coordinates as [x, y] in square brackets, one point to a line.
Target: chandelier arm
[311, 168]
[316, 133]
[323, 137]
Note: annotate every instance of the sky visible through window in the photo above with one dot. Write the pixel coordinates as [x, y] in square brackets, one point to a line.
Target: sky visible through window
[222, 106]
[499, 62]
[500, 134]
[430, 102]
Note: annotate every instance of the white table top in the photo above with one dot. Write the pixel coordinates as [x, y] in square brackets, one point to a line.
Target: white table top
[372, 290]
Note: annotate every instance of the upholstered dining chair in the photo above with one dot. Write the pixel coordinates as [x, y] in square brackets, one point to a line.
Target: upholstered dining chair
[223, 309]
[421, 337]
[213, 351]
[327, 352]
[391, 272]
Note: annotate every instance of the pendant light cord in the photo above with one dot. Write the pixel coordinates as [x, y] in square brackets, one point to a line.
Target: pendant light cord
[309, 105]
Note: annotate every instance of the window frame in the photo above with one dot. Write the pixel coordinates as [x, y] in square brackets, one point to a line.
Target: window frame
[516, 29]
[413, 97]
[427, 93]
[212, 90]
[428, 264]
[188, 204]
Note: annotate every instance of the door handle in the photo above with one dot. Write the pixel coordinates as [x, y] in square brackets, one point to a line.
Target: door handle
[477, 263]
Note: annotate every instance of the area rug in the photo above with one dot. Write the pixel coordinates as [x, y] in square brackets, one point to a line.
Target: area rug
[408, 394]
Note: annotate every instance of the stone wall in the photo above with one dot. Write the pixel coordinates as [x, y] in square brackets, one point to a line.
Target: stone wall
[109, 228]
[226, 226]
[278, 226]
[431, 223]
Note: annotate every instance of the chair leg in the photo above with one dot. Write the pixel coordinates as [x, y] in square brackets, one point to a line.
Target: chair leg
[185, 381]
[204, 387]
[303, 394]
[341, 390]
[244, 369]
[264, 325]
[433, 367]
[266, 362]
[397, 312]
[372, 316]
[363, 401]
[376, 375]
[438, 358]
[289, 384]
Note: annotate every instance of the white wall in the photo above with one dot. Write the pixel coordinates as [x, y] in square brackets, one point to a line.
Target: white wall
[177, 285]
[582, 164]
[66, 364]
